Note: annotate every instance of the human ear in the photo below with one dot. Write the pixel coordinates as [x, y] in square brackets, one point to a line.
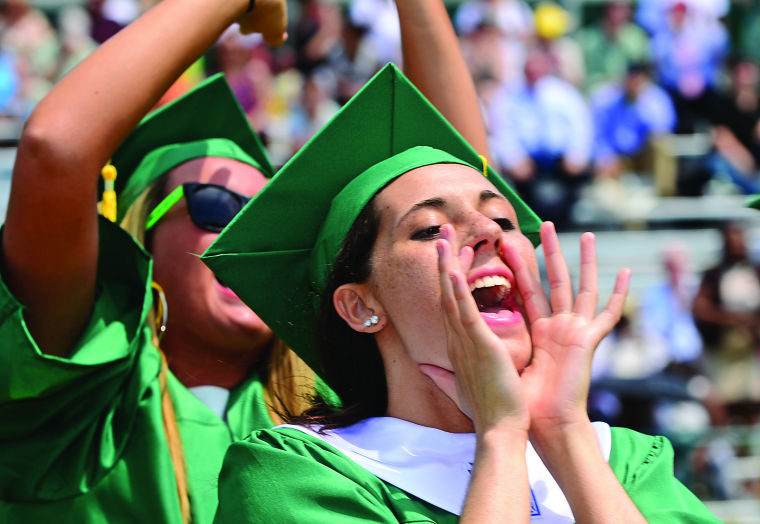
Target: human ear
[350, 301]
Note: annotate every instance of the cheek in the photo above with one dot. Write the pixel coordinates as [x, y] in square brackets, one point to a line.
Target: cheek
[408, 282]
[176, 249]
[527, 253]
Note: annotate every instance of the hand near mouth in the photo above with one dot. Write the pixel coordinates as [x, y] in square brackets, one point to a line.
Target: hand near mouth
[485, 384]
[564, 331]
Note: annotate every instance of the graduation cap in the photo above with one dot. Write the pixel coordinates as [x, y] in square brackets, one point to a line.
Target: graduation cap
[753, 201]
[278, 252]
[206, 121]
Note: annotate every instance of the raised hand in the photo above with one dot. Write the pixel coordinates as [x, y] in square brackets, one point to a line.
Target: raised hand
[268, 17]
[564, 331]
[485, 384]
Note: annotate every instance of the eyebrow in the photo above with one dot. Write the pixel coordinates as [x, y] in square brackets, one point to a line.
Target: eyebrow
[487, 194]
[440, 203]
[435, 202]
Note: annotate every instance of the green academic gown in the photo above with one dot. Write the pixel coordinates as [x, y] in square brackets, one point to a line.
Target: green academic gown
[324, 485]
[81, 438]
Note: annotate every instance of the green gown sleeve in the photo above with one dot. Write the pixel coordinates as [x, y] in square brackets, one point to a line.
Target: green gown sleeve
[644, 466]
[82, 438]
[284, 476]
[60, 433]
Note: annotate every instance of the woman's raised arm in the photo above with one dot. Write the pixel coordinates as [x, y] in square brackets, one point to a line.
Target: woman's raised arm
[433, 61]
[50, 239]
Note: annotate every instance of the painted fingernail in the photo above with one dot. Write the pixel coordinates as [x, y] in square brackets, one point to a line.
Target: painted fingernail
[439, 247]
[444, 233]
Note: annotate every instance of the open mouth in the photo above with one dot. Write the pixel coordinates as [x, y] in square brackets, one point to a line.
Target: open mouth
[492, 293]
[226, 291]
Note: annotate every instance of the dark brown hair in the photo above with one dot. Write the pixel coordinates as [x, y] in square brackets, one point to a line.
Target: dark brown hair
[351, 362]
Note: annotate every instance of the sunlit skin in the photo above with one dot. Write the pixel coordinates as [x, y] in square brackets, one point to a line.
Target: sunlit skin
[211, 335]
[446, 365]
[404, 289]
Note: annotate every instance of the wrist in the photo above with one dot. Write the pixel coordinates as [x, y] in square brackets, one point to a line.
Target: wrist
[503, 437]
[567, 446]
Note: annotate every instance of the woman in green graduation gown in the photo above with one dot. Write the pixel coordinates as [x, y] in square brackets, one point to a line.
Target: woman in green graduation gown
[408, 278]
[95, 428]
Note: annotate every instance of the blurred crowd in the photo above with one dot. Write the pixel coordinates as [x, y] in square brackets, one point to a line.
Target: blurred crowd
[683, 361]
[578, 105]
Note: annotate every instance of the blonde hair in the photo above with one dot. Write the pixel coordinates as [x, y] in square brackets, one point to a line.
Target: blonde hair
[287, 381]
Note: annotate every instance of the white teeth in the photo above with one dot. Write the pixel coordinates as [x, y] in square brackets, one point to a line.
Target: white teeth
[490, 281]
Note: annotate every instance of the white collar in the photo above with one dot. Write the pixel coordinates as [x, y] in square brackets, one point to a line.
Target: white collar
[435, 465]
[214, 397]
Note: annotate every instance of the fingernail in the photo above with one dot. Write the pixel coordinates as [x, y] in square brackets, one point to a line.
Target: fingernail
[439, 247]
[444, 233]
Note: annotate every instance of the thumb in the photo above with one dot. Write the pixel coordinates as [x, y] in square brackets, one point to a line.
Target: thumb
[445, 381]
[275, 39]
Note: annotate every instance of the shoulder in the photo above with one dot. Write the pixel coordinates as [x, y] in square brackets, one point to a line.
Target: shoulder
[644, 466]
[286, 444]
[632, 451]
[264, 473]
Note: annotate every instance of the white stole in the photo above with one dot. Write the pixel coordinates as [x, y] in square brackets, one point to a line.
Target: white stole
[435, 465]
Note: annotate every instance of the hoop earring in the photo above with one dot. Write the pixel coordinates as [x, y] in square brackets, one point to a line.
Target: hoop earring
[162, 310]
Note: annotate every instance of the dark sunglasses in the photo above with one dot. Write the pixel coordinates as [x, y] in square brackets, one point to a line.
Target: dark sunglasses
[211, 206]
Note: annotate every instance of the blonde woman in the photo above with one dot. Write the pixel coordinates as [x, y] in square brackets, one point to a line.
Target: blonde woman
[99, 426]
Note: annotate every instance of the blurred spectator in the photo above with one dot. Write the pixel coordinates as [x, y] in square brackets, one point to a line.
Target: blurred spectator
[542, 137]
[74, 26]
[246, 62]
[552, 24]
[632, 386]
[609, 47]
[314, 109]
[627, 352]
[748, 14]
[28, 37]
[316, 32]
[727, 311]
[688, 49]
[383, 30]
[666, 314]
[110, 16]
[737, 133]
[494, 38]
[9, 85]
[627, 115]
[649, 15]
[354, 61]
[511, 17]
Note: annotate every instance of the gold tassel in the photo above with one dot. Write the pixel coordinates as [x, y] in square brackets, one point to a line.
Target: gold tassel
[485, 165]
[108, 203]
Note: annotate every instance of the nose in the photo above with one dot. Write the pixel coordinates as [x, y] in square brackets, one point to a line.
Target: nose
[485, 234]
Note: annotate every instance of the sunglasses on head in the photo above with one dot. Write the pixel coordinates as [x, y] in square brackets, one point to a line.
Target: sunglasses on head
[211, 206]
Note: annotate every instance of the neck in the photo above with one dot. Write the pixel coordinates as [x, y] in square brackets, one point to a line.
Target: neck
[430, 408]
[197, 365]
[413, 396]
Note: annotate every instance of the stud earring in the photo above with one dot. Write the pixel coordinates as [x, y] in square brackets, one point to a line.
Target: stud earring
[371, 321]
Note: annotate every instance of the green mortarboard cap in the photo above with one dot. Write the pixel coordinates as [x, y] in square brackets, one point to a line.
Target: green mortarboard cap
[206, 121]
[278, 251]
[754, 201]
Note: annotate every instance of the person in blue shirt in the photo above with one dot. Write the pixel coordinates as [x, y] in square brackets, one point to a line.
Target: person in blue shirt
[627, 115]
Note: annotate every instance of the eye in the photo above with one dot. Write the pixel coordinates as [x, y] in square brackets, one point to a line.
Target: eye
[429, 233]
[505, 224]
